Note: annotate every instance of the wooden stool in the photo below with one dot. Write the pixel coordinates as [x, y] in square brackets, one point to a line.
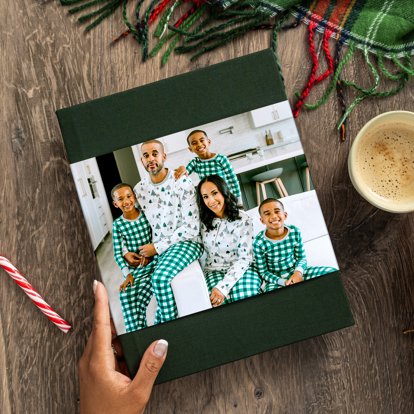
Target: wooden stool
[267, 177]
[304, 166]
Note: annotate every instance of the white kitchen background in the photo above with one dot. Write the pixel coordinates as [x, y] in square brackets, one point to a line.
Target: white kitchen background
[248, 132]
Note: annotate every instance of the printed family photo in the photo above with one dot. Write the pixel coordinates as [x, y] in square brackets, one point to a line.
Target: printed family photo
[204, 217]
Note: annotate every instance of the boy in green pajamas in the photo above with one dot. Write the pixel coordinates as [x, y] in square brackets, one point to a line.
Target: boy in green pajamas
[130, 231]
[278, 251]
[207, 163]
[171, 208]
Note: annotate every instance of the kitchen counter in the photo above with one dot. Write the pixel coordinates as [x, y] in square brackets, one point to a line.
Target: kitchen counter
[269, 156]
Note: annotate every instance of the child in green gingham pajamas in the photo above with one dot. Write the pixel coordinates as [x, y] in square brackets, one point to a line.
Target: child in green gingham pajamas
[278, 251]
[227, 239]
[171, 209]
[207, 163]
[132, 230]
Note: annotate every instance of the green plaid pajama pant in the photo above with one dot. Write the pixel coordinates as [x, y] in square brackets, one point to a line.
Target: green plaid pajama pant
[309, 273]
[169, 264]
[248, 285]
[135, 298]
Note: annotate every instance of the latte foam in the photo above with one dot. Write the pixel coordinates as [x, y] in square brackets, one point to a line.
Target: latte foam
[385, 162]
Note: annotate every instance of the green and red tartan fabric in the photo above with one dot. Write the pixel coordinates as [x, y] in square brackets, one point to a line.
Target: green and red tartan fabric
[384, 27]
[382, 30]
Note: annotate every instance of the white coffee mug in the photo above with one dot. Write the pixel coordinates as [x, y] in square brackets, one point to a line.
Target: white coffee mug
[381, 162]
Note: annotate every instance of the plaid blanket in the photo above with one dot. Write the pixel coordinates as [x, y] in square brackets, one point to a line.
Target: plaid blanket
[384, 27]
[382, 30]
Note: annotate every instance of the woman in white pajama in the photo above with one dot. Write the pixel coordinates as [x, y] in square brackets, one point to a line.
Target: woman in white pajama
[227, 236]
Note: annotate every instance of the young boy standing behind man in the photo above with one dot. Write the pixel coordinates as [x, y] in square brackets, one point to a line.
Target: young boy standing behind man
[132, 230]
[278, 250]
[207, 163]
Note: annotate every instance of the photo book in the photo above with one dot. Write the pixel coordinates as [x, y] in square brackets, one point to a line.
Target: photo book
[203, 216]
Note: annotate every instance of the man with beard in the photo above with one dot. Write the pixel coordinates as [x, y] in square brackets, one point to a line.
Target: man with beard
[171, 209]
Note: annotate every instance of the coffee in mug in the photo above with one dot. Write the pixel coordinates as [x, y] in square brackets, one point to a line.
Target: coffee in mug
[381, 161]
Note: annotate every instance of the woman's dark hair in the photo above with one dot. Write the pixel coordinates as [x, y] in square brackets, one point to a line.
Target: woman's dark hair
[231, 211]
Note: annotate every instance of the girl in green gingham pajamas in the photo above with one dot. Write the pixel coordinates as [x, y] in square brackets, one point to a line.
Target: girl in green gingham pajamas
[277, 260]
[134, 299]
[171, 209]
[227, 242]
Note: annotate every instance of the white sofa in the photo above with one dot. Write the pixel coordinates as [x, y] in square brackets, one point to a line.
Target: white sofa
[190, 293]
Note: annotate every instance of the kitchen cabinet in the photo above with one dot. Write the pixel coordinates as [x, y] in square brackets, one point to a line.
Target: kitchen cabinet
[271, 114]
[175, 142]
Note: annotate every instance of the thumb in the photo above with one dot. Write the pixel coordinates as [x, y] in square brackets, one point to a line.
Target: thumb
[150, 366]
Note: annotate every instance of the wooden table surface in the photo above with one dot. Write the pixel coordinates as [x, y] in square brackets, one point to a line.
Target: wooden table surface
[47, 63]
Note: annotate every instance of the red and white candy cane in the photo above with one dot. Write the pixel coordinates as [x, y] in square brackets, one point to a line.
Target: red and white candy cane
[33, 295]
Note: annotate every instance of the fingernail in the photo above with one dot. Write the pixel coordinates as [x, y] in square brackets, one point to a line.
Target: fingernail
[95, 284]
[160, 348]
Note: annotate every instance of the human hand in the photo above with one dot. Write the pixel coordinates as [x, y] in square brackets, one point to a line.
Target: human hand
[216, 298]
[145, 261]
[180, 171]
[133, 259]
[129, 281]
[147, 250]
[295, 278]
[103, 389]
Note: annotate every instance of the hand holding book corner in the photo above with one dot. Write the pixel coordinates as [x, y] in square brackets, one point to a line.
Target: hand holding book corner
[103, 388]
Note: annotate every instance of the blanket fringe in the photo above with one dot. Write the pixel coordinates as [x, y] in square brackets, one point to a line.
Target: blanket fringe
[201, 27]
